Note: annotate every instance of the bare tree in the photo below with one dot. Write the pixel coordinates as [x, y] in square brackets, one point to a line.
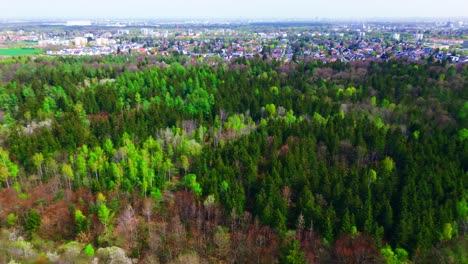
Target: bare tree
[189, 127]
[177, 238]
[147, 211]
[128, 227]
[222, 116]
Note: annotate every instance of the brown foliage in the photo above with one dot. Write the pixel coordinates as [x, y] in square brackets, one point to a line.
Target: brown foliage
[356, 249]
[127, 228]
[55, 215]
[311, 244]
[56, 221]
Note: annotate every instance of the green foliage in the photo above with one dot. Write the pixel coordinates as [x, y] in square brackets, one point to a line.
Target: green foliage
[104, 215]
[17, 187]
[224, 186]
[463, 134]
[274, 90]
[271, 109]
[462, 209]
[290, 117]
[81, 222]
[385, 102]
[400, 256]
[156, 194]
[7, 167]
[12, 219]
[463, 113]
[292, 253]
[319, 119]
[8, 121]
[449, 230]
[379, 123]
[235, 122]
[190, 182]
[184, 163]
[388, 165]
[33, 222]
[100, 199]
[59, 195]
[313, 150]
[350, 91]
[372, 175]
[8, 101]
[89, 250]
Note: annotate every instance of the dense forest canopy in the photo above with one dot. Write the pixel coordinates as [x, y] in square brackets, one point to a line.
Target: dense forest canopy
[247, 161]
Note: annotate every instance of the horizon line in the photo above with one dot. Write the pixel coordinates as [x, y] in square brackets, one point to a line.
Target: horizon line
[245, 19]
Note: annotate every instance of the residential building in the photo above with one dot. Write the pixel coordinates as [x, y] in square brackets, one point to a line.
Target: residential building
[418, 36]
[102, 41]
[81, 41]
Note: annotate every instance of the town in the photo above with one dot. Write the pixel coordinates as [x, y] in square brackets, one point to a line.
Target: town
[287, 41]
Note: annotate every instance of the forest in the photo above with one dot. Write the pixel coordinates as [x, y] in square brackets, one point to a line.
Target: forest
[151, 159]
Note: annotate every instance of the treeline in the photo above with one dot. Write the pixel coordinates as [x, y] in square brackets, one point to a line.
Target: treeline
[368, 153]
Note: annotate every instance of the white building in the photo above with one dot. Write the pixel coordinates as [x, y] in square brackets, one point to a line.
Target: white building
[396, 36]
[102, 41]
[81, 42]
[418, 37]
[146, 31]
[47, 42]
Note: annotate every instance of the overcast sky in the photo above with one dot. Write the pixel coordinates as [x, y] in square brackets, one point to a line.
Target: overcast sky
[304, 9]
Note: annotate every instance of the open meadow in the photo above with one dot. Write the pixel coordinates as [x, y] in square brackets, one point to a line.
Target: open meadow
[18, 51]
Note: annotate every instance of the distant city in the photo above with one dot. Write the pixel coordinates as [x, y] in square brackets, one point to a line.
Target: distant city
[290, 40]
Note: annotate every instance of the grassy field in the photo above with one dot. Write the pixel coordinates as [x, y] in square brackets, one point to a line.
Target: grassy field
[19, 51]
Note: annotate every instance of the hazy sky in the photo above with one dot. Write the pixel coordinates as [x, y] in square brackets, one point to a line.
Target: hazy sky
[307, 9]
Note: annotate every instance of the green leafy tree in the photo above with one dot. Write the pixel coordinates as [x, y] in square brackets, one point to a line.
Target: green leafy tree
[271, 109]
[104, 215]
[319, 118]
[38, 161]
[400, 256]
[292, 253]
[67, 172]
[33, 221]
[184, 163]
[448, 231]
[290, 117]
[190, 182]
[7, 167]
[81, 222]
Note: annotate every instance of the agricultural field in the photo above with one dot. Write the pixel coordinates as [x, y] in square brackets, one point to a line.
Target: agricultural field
[19, 51]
